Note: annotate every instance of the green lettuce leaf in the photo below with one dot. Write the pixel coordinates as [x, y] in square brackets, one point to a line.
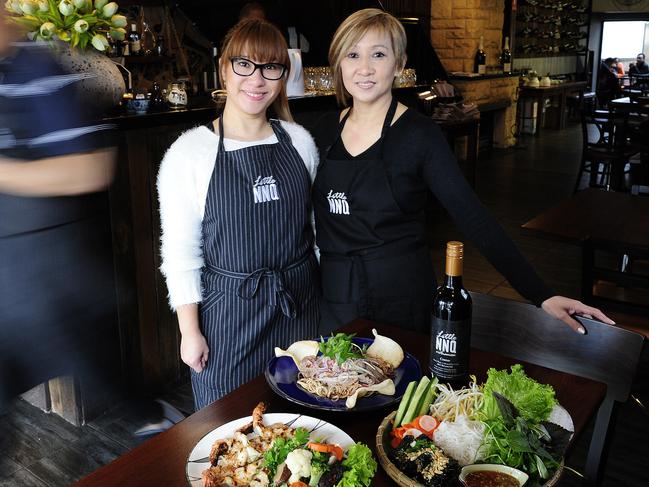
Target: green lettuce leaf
[533, 401]
[359, 466]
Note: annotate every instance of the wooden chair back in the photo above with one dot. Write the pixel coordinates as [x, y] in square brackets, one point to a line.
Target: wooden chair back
[604, 131]
[606, 284]
[607, 354]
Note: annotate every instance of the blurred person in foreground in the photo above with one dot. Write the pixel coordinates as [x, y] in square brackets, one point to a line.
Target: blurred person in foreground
[56, 285]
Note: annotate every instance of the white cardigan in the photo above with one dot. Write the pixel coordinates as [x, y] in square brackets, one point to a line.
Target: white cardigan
[183, 181]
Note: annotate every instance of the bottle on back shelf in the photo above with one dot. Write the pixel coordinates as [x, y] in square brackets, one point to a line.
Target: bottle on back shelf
[506, 58]
[134, 41]
[480, 62]
[148, 41]
[450, 331]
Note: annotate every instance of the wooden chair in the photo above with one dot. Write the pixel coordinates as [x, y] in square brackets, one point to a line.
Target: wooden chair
[607, 354]
[604, 143]
[613, 276]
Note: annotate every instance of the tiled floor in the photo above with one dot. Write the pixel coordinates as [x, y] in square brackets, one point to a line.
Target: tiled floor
[43, 450]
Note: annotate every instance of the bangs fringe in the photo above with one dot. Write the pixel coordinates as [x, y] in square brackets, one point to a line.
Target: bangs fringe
[260, 41]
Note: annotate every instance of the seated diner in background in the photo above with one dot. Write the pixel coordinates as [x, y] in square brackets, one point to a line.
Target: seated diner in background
[640, 67]
[608, 86]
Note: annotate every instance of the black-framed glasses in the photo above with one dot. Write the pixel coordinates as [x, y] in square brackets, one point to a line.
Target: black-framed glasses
[245, 67]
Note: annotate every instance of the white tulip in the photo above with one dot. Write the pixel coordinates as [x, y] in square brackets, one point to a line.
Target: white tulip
[80, 3]
[10, 8]
[119, 34]
[81, 26]
[43, 6]
[118, 21]
[47, 30]
[99, 4]
[109, 9]
[99, 42]
[28, 7]
[66, 8]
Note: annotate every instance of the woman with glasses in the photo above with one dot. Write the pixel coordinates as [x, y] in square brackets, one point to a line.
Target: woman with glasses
[380, 164]
[237, 243]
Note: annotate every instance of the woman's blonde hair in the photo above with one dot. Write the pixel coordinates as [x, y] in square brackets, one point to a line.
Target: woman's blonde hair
[260, 40]
[352, 30]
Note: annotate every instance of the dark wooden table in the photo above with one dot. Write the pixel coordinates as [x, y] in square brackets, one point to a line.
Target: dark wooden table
[162, 460]
[627, 104]
[610, 215]
[540, 94]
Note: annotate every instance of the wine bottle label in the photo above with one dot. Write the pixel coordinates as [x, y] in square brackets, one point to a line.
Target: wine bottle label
[482, 68]
[136, 46]
[507, 67]
[449, 348]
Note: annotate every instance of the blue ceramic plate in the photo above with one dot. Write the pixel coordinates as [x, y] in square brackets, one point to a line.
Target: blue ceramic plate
[281, 375]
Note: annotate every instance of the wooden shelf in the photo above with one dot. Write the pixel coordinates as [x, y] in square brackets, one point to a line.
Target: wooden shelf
[144, 59]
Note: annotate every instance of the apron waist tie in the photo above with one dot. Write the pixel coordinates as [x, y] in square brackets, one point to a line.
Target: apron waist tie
[250, 284]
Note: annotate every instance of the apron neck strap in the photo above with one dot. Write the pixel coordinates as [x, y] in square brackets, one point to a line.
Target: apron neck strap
[389, 116]
[221, 136]
[275, 125]
[386, 124]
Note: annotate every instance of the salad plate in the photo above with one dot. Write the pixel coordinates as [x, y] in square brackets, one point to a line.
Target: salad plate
[282, 375]
[198, 459]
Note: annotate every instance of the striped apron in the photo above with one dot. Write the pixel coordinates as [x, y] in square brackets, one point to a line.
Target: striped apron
[260, 271]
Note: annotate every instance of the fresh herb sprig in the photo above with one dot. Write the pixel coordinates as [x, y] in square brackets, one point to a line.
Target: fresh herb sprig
[282, 447]
[536, 448]
[341, 347]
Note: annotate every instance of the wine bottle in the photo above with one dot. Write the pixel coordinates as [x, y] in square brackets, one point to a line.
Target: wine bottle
[450, 331]
[506, 58]
[134, 41]
[480, 62]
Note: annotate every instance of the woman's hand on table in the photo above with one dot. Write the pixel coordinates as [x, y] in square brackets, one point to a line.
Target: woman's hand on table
[194, 350]
[563, 308]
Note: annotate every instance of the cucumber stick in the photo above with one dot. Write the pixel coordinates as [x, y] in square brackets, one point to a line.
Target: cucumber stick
[413, 406]
[405, 400]
[428, 398]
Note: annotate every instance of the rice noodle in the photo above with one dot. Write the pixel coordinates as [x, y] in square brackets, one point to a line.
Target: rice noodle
[461, 439]
[324, 377]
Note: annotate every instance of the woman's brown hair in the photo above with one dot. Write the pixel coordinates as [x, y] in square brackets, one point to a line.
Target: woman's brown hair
[352, 30]
[261, 41]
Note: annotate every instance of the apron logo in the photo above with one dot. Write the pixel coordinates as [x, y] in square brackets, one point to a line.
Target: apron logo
[265, 189]
[338, 203]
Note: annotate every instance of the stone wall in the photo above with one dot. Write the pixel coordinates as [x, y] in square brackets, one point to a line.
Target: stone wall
[487, 91]
[456, 27]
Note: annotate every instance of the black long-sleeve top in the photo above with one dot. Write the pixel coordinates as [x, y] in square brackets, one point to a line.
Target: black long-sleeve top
[419, 161]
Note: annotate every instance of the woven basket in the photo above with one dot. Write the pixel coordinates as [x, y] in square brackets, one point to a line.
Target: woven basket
[383, 446]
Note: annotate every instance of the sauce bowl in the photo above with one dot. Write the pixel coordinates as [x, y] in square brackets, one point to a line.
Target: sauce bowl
[521, 477]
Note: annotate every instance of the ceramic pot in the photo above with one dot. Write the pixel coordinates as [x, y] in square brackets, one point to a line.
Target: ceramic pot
[101, 85]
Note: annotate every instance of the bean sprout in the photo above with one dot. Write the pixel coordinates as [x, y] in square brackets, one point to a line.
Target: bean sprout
[452, 403]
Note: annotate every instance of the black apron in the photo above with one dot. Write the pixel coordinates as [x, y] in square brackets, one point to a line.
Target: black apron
[260, 274]
[372, 262]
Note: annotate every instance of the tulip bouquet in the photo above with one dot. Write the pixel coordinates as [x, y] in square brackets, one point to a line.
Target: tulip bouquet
[79, 22]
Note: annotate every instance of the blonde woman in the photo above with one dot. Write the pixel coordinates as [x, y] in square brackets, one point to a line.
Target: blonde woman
[380, 161]
[237, 245]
